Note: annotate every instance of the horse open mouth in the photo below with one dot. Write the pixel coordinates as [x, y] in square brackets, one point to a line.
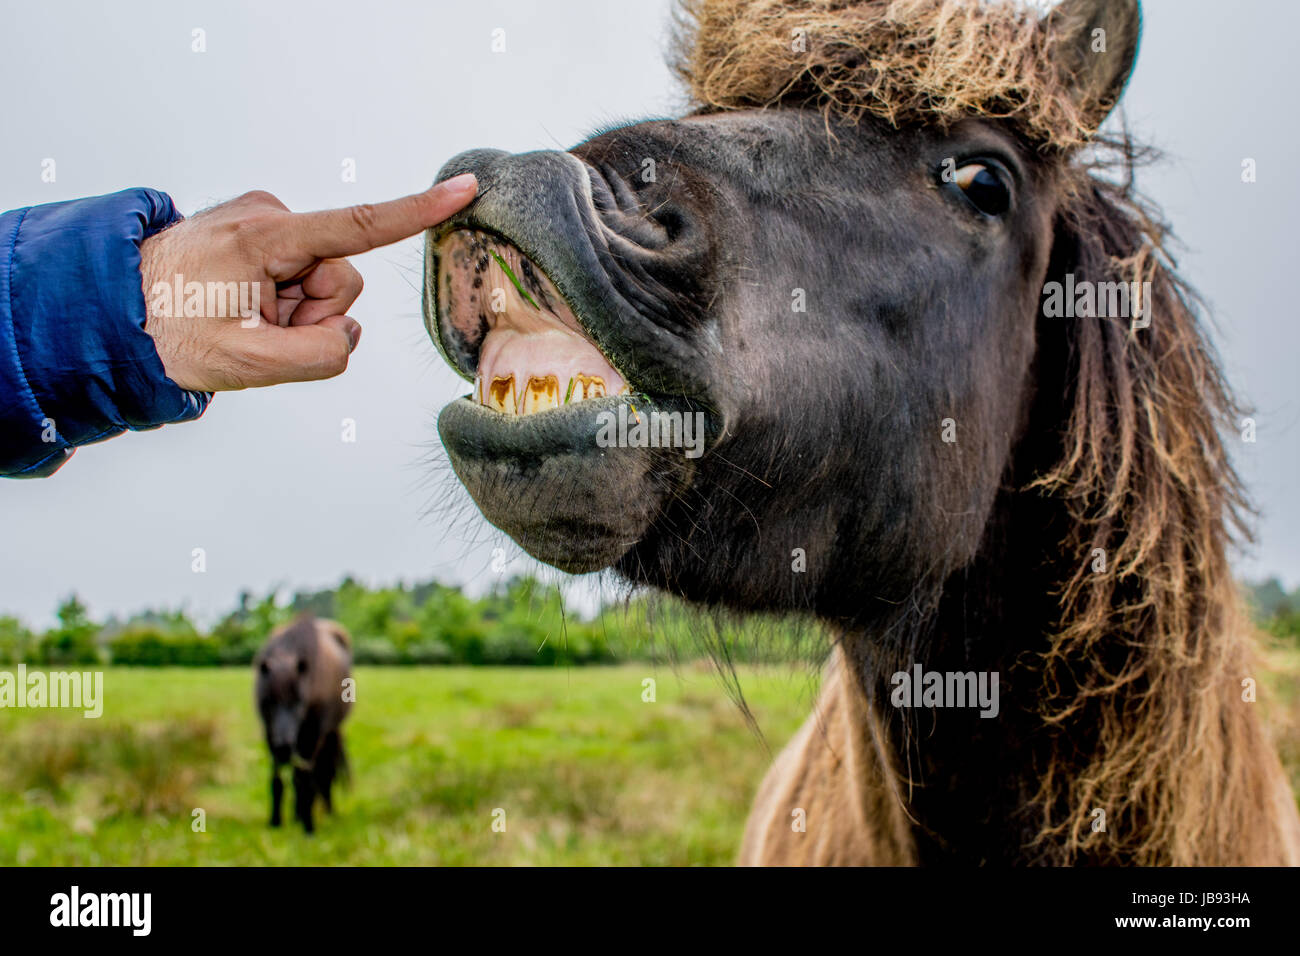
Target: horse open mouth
[577, 431]
[502, 317]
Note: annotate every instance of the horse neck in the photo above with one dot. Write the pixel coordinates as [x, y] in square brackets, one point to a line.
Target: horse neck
[968, 778]
[973, 784]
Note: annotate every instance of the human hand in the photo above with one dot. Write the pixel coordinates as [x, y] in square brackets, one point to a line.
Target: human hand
[272, 287]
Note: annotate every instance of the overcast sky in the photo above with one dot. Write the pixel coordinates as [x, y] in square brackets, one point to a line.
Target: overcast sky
[287, 91]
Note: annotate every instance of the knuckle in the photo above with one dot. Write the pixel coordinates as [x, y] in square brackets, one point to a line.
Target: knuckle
[260, 197]
[255, 230]
[365, 217]
[245, 227]
[333, 359]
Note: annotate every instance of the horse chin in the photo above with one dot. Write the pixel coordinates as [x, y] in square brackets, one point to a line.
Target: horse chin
[547, 482]
[537, 443]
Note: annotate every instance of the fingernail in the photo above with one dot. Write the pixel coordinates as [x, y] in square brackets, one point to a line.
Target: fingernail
[354, 336]
[464, 183]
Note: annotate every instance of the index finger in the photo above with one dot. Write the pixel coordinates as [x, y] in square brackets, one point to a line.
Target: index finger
[337, 233]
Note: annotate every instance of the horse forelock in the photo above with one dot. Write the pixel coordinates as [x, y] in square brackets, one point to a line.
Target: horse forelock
[904, 61]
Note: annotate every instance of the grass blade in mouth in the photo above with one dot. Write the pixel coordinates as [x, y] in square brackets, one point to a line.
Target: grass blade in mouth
[514, 279]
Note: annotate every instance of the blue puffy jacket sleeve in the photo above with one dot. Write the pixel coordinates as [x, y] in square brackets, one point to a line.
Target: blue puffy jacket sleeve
[76, 365]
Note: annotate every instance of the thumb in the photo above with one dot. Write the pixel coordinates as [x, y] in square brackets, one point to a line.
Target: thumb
[300, 353]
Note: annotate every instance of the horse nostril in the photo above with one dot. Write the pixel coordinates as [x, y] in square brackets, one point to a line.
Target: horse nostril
[636, 206]
[672, 221]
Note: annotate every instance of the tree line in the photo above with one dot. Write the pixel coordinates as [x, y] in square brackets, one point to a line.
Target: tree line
[521, 622]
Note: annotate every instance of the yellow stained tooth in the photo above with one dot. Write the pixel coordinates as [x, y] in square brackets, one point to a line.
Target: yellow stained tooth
[542, 394]
[501, 394]
[593, 386]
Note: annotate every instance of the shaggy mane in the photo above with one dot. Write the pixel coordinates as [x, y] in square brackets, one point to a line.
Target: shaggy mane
[1148, 655]
[904, 61]
[1139, 685]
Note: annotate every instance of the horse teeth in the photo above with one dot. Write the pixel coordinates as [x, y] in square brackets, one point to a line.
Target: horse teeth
[542, 394]
[501, 395]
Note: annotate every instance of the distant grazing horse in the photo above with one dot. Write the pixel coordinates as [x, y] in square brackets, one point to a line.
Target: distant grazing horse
[301, 697]
[957, 402]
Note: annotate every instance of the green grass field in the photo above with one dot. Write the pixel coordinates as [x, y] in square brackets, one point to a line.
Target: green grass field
[586, 772]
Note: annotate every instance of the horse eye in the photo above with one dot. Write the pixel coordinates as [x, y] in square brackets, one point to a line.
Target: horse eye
[302, 666]
[984, 187]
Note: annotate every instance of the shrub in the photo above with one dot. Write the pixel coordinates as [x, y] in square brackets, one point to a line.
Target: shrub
[375, 650]
[64, 646]
[510, 646]
[237, 654]
[15, 640]
[427, 652]
[148, 647]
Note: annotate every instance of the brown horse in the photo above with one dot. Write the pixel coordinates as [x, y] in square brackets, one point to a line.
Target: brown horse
[302, 699]
[951, 396]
